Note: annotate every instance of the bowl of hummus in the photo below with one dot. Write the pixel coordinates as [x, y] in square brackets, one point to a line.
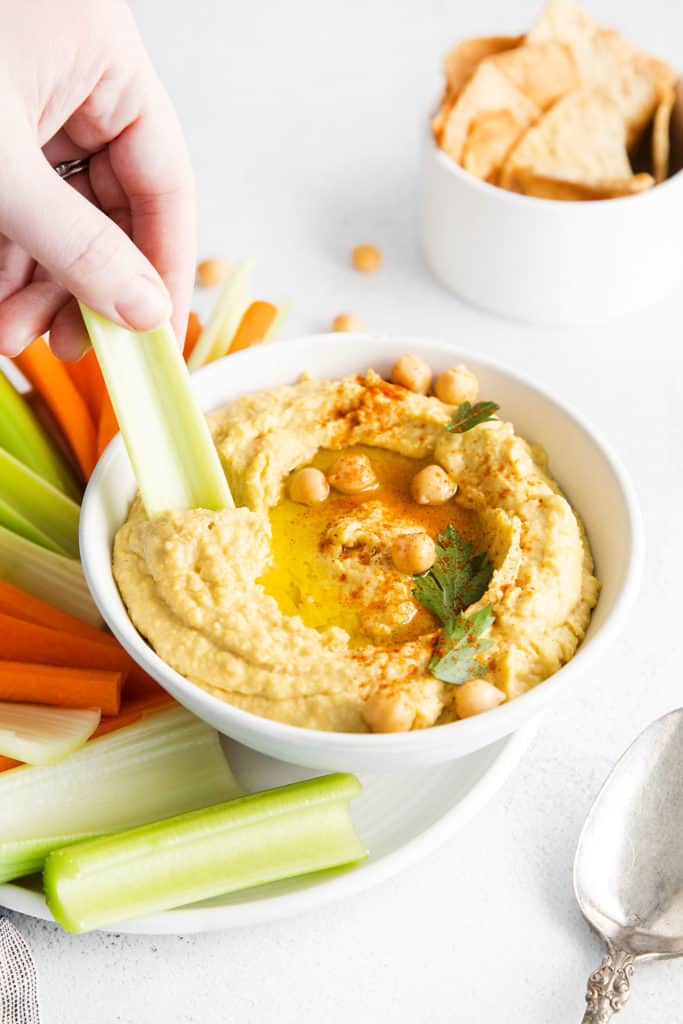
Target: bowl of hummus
[425, 549]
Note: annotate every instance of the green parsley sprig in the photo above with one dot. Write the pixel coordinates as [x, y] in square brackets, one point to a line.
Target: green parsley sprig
[457, 580]
[467, 416]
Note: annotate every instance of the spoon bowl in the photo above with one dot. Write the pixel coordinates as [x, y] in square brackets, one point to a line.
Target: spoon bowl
[628, 871]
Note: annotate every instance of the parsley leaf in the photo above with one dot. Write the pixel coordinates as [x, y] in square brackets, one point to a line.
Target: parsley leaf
[457, 580]
[455, 656]
[467, 416]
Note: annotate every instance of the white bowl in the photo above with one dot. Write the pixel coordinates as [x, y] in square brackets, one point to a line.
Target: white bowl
[545, 260]
[583, 465]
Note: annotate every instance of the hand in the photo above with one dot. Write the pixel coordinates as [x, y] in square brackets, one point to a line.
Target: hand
[75, 80]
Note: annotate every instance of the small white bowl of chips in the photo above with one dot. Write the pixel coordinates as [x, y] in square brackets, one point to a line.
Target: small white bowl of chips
[551, 179]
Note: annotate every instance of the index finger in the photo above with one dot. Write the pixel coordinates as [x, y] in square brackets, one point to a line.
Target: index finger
[151, 163]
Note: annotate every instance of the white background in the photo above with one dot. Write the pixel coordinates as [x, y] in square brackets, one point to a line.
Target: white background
[304, 120]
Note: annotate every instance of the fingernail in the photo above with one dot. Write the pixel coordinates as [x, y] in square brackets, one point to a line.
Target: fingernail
[144, 304]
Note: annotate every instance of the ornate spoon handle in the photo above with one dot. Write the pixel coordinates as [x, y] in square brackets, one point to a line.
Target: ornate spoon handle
[609, 987]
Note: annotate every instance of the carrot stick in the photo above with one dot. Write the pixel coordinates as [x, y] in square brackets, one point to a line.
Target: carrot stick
[108, 425]
[8, 762]
[61, 634]
[50, 379]
[131, 711]
[61, 687]
[253, 326]
[87, 377]
[20, 605]
[194, 329]
[26, 641]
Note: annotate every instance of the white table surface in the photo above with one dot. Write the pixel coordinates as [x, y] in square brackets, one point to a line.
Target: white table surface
[304, 119]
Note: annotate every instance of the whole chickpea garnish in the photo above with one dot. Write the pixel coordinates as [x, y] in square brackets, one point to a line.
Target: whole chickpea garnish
[475, 696]
[352, 474]
[388, 713]
[308, 486]
[413, 553]
[412, 373]
[432, 486]
[457, 385]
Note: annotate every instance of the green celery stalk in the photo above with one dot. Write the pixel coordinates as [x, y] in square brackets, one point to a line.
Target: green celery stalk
[47, 575]
[264, 837]
[220, 328]
[41, 512]
[42, 735]
[167, 763]
[164, 430]
[22, 436]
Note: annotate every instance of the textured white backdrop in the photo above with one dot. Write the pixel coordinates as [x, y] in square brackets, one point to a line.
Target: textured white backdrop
[304, 120]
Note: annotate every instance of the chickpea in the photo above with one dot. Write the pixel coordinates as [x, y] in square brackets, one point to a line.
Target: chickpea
[212, 272]
[388, 713]
[413, 553]
[475, 696]
[366, 258]
[308, 486]
[347, 322]
[457, 385]
[432, 486]
[352, 474]
[412, 373]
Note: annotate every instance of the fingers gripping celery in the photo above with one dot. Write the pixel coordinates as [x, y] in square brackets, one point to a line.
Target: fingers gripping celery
[165, 432]
[255, 839]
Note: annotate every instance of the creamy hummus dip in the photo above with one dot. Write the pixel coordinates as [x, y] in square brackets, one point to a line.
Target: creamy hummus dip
[299, 614]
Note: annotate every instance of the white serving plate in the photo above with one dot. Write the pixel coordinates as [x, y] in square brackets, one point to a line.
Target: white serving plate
[401, 818]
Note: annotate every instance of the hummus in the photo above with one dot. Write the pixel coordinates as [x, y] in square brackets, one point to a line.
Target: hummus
[298, 614]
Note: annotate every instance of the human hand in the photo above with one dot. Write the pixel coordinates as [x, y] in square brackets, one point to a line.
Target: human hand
[75, 80]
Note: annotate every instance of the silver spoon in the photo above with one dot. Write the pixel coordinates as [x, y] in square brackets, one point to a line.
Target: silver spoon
[628, 871]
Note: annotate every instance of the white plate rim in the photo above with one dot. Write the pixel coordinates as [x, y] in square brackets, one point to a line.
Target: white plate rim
[189, 920]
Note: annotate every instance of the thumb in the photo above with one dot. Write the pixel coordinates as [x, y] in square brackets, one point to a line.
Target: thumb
[80, 247]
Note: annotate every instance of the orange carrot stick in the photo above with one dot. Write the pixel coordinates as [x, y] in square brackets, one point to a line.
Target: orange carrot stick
[87, 377]
[194, 329]
[8, 762]
[132, 710]
[20, 605]
[108, 425]
[26, 641]
[253, 326]
[61, 634]
[51, 380]
[61, 687]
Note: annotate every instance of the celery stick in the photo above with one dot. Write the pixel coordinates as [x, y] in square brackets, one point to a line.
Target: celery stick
[22, 436]
[229, 309]
[41, 735]
[166, 434]
[47, 575]
[255, 839]
[48, 513]
[166, 763]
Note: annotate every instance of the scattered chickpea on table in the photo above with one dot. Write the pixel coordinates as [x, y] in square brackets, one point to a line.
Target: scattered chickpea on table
[366, 258]
[212, 272]
[347, 322]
